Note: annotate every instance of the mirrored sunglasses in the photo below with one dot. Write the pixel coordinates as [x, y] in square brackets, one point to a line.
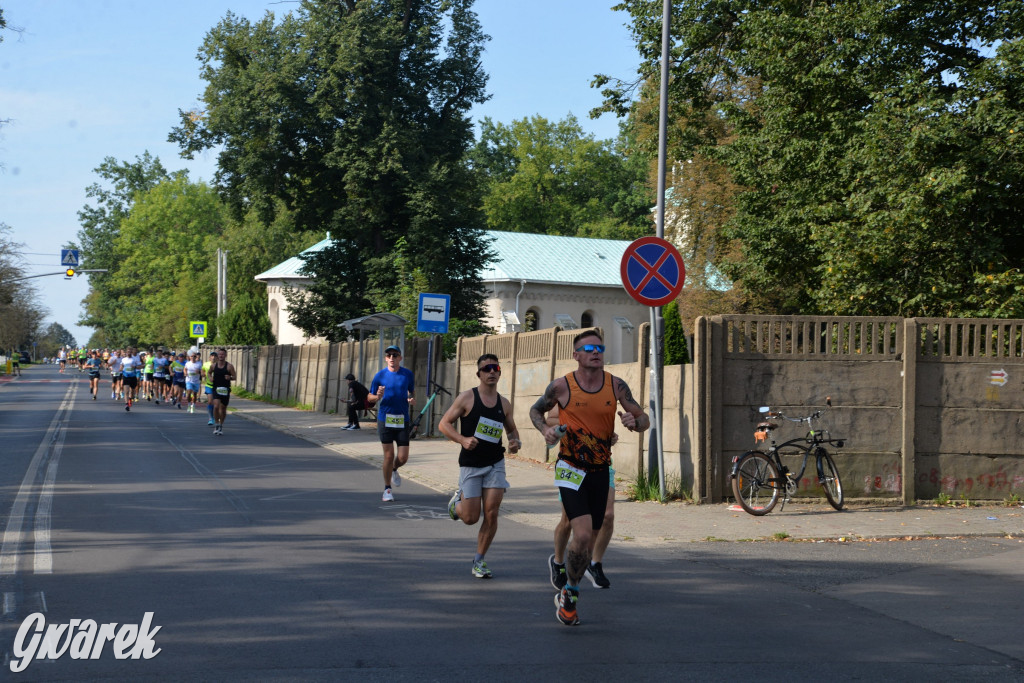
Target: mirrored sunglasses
[491, 367]
[590, 348]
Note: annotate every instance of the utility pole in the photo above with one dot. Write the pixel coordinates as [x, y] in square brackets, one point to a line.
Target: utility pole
[222, 281]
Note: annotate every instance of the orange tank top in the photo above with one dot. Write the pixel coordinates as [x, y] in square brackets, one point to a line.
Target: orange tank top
[590, 420]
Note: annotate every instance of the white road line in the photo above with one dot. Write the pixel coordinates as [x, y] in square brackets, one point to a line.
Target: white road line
[12, 534]
[43, 560]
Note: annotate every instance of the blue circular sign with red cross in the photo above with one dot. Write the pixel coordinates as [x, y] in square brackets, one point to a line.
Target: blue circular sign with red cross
[652, 271]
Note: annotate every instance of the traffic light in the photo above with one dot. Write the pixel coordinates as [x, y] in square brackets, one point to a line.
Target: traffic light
[69, 273]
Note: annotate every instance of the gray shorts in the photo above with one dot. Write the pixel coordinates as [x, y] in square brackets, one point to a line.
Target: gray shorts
[473, 480]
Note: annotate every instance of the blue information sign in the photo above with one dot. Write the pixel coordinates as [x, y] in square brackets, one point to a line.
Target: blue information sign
[433, 313]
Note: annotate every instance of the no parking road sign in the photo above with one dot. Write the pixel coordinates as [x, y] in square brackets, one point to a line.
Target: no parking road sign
[652, 271]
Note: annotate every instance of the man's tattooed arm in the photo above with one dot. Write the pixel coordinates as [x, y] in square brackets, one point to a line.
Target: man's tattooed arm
[543, 404]
[634, 419]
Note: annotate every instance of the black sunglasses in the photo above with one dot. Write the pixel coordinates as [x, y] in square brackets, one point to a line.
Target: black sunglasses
[392, 354]
[588, 348]
[491, 367]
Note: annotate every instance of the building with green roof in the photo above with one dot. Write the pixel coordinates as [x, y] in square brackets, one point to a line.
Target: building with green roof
[533, 282]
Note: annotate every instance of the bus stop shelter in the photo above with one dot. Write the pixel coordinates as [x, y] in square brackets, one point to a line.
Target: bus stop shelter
[389, 328]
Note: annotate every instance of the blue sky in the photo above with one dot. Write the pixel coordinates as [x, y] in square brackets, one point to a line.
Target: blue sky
[96, 78]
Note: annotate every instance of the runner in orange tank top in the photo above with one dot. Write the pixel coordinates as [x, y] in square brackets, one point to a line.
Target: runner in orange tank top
[586, 400]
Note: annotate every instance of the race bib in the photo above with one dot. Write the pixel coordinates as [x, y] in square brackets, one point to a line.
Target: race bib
[489, 430]
[223, 391]
[394, 421]
[567, 476]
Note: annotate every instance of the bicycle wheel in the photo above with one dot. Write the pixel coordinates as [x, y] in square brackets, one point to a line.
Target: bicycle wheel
[828, 475]
[755, 484]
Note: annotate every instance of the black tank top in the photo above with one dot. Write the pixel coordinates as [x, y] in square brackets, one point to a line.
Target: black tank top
[220, 376]
[488, 426]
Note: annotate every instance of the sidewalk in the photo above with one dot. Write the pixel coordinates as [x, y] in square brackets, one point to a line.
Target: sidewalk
[532, 500]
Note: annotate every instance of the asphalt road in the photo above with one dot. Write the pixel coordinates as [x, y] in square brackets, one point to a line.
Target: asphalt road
[264, 557]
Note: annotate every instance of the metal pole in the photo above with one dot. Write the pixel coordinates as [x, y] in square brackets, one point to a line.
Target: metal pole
[657, 322]
[430, 363]
[218, 282]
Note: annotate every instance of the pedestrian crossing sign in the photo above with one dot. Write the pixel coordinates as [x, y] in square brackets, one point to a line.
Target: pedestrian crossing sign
[197, 328]
[69, 257]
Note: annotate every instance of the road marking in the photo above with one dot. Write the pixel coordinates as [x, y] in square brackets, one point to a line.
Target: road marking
[9, 550]
[43, 551]
[206, 473]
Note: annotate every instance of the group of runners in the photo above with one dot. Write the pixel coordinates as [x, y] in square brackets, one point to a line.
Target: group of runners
[178, 379]
[576, 411]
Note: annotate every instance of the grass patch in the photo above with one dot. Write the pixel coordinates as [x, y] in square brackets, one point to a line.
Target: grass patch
[283, 402]
[646, 486]
[780, 535]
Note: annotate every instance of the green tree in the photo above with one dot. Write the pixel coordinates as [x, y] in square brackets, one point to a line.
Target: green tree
[245, 322]
[100, 226]
[20, 310]
[55, 337]
[354, 115]
[676, 351]
[165, 274]
[875, 147]
[553, 178]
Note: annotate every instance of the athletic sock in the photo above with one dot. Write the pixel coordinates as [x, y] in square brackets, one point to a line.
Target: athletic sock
[478, 557]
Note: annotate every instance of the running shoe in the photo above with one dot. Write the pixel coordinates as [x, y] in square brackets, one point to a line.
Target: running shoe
[597, 577]
[354, 427]
[128, 406]
[558, 576]
[94, 397]
[157, 401]
[565, 603]
[387, 497]
[396, 478]
[210, 422]
[347, 427]
[480, 570]
[451, 504]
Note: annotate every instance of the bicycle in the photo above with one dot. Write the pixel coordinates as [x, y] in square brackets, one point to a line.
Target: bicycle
[759, 477]
[416, 424]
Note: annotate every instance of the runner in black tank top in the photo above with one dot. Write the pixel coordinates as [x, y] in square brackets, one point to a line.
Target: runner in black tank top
[485, 416]
[223, 374]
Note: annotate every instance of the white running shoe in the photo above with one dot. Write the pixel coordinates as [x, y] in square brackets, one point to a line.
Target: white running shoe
[387, 497]
[396, 478]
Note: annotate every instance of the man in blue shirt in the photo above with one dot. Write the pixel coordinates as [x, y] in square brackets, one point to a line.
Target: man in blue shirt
[393, 390]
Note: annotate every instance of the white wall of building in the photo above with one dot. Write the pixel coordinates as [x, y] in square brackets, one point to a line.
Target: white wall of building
[277, 309]
[601, 304]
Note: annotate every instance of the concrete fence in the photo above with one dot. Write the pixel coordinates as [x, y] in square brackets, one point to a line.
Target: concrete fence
[927, 406]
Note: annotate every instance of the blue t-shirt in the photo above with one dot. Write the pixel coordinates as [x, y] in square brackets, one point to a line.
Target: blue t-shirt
[397, 388]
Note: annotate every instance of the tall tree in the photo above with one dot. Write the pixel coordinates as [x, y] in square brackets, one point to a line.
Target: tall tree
[354, 114]
[101, 221]
[54, 338]
[553, 178]
[165, 274]
[875, 147]
[20, 311]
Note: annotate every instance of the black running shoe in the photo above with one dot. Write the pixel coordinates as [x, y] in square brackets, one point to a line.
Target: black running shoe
[558, 576]
[597, 577]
